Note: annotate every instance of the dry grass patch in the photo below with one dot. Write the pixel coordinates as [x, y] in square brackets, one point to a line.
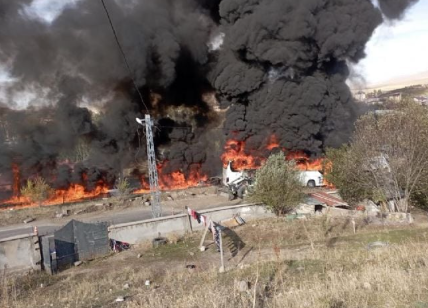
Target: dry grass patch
[342, 273]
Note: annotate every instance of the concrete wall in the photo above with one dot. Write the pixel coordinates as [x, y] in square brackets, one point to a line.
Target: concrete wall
[140, 231]
[20, 253]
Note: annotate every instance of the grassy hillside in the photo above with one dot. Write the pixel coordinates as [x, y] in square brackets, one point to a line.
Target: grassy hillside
[312, 263]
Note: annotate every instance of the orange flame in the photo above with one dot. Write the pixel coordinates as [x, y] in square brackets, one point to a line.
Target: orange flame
[74, 193]
[235, 151]
[175, 180]
[304, 163]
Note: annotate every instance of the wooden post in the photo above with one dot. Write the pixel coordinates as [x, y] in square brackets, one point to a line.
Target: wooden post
[221, 251]
[189, 219]
[201, 244]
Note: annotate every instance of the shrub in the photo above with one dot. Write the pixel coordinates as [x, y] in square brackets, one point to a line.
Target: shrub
[277, 184]
[36, 190]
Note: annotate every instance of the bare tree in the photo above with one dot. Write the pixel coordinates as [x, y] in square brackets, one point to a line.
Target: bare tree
[36, 190]
[387, 157]
[278, 185]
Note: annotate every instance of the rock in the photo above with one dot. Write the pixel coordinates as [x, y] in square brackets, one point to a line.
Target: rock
[42, 285]
[371, 208]
[78, 263]
[377, 244]
[202, 248]
[243, 286]
[191, 253]
[126, 286]
[65, 212]
[159, 241]
[169, 198]
[190, 266]
[79, 212]
[120, 299]
[60, 215]
[147, 203]
[300, 269]
[367, 286]
[99, 204]
[147, 283]
[139, 256]
[243, 266]
[28, 220]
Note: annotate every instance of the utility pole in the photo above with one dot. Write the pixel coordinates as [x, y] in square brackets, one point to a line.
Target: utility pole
[151, 160]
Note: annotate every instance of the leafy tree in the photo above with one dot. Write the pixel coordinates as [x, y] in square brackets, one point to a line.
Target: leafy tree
[36, 190]
[387, 159]
[277, 184]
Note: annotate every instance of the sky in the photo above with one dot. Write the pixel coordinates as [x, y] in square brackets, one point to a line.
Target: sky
[396, 49]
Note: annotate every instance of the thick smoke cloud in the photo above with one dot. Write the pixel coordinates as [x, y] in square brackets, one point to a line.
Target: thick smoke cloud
[281, 69]
[75, 61]
[394, 9]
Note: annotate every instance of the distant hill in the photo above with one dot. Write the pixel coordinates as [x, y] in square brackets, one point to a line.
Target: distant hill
[401, 82]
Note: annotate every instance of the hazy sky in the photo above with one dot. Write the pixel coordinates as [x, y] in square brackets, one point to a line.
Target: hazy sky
[396, 49]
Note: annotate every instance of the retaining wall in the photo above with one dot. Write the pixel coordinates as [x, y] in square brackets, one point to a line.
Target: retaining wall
[20, 253]
[144, 230]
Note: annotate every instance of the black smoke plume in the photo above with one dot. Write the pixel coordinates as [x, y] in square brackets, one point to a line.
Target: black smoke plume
[281, 70]
[284, 64]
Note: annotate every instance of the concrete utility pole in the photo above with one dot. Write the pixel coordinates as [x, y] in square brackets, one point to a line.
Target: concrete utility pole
[151, 160]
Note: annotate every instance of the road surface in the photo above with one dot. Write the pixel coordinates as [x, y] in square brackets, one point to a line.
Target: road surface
[48, 226]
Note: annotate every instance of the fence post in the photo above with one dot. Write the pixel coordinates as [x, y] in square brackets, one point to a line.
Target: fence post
[221, 270]
[189, 219]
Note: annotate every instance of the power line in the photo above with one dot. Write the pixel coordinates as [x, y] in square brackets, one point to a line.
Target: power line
[123, 55]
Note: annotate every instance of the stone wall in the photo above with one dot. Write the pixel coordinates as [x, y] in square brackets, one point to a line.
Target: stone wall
[140, 231]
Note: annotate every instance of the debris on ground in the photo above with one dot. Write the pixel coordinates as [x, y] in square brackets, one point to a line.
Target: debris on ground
[156, 242]
[125, 286]
[78, 263]
[243, 286]
[118, 246]
[120, 299]
[190, 267]
[377, 244]
[235, 221]
[28, 220]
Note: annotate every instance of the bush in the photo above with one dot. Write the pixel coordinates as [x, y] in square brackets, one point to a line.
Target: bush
[36, 190]
[277, 185]
[386, 160]
[123, 189]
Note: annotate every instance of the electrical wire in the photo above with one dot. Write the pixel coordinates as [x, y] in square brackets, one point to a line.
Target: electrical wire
[124, 56]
